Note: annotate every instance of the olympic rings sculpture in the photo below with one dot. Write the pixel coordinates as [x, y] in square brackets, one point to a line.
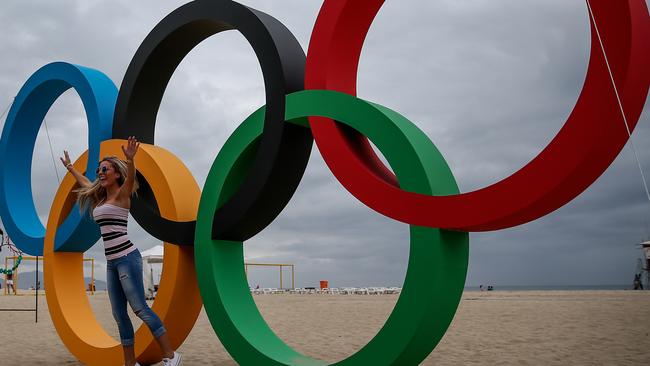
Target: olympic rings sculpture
[261, 164]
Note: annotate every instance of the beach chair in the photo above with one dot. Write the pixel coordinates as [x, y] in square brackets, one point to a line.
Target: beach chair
[390, 290]
[361, 291]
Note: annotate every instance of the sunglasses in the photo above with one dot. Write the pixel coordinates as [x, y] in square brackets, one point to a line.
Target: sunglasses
[102, 169]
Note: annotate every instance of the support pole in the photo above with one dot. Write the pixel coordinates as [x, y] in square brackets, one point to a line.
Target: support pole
[36, 286]
[647, 273]
[5, 277]
[15, 286]
[92, 276]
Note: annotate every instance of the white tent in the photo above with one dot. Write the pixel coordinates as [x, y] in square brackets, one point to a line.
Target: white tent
[151, 262]
[154, 253]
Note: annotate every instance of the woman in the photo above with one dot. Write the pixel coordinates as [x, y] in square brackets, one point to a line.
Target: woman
[109, 199]
[10, 283]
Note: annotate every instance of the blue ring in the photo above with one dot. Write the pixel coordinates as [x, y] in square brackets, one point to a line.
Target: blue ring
[98, 94]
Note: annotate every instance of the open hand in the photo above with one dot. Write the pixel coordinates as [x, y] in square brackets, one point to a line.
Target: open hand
[65, 159]
[131, 148]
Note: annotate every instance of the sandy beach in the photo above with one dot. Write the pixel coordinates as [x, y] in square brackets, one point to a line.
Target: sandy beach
[501, 327]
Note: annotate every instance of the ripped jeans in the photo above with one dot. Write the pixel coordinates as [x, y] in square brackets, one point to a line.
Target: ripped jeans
[124, 282]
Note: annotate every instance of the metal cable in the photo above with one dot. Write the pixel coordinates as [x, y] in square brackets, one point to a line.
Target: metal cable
[620, 103]
[47, 132]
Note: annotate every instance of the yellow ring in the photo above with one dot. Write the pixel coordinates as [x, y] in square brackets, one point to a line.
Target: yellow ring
[178, 302]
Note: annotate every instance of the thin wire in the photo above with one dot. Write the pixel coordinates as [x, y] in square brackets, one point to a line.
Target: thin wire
[47, 132]
[7, 109]
[620, 103]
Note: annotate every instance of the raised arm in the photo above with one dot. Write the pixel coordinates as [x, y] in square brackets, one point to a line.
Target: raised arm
[81, 179]
[129, 152]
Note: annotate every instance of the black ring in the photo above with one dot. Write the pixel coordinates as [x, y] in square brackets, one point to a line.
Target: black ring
[284, 149]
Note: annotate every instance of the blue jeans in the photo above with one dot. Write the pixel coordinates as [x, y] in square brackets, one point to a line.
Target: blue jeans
[124, 282]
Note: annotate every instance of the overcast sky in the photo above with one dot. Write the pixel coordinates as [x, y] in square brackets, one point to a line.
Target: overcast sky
[490, 82]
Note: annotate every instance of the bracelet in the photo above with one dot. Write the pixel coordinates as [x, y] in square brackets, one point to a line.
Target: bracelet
[68, 166]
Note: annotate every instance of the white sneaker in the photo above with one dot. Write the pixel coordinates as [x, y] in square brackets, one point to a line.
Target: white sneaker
[174, 361]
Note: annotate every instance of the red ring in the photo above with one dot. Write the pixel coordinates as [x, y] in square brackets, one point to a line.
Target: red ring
[586, 145]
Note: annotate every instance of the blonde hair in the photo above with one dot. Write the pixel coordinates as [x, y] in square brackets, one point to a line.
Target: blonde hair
[90, 197]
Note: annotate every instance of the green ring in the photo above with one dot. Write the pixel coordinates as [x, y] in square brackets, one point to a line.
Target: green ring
[438, 259]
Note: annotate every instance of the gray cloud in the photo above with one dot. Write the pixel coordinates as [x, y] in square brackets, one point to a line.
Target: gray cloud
[490, 82]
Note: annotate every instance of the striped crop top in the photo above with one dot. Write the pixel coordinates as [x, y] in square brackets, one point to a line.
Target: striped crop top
[112, 222]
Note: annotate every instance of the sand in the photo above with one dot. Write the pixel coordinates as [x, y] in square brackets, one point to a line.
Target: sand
[505, 328]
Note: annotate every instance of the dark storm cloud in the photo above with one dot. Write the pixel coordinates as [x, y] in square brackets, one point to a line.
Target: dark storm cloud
[490, 82]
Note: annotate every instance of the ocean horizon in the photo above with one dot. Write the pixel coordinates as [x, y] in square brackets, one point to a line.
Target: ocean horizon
[552, 287]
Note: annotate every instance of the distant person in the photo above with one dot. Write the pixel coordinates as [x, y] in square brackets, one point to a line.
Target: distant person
[638, 285]
[108, 198]
[10, 283]
[481, 288]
